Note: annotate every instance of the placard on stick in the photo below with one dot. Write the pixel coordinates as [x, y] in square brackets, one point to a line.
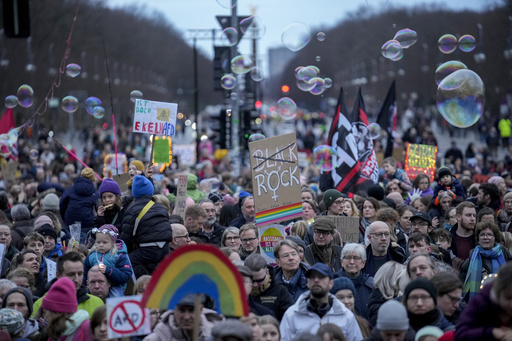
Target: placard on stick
[181, 195]
[154, 117]
[348, 227]
[275, 179]
[270, 235]
[127, 317]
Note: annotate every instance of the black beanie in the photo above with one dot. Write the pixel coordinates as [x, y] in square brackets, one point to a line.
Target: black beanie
[375, 191]
[443, 171]
[421, 283]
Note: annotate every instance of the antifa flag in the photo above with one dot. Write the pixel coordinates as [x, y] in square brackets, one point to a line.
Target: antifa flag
[356, 167]
[387, 118]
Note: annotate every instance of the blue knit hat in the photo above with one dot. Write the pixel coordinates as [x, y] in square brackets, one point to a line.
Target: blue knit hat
[343, 283]
[141, 186]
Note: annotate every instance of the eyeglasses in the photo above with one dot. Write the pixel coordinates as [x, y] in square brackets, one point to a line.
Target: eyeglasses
[486, 235]
[354, 258]
[184, 236]
[454, 300]
[248, 240]
[259, 281]
[381, 234]
[323, 233]
[423, 298]
[104, 231]
[420, 224]
[232, 239]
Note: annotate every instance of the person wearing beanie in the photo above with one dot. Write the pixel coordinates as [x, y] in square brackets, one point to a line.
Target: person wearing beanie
[333, 201]
[135, 167]
[42, 220]
[145, 228]
[420, 300]
[218, 201]
[500, 182]
[21, 299]
[12, 322]
[88, 173]
[52, 249]
[450, 185]
[110, 208]
[323, 249]
[376, 191]
[58, 309]
[51, 202]
[318, 306]
[78, 204]
[392, 323]
[431, 331]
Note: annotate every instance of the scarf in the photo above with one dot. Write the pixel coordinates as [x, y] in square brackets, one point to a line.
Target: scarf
[418, 321]
[244, 254]
[324, 253]
[474, 275]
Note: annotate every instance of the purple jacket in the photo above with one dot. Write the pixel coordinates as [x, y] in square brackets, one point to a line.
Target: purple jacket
[479, 318]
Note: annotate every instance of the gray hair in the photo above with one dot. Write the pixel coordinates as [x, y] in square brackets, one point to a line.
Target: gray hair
[7, 284]
[20, 212]
[255, 262]
[350, 248]
[387, 279]
[230, 229]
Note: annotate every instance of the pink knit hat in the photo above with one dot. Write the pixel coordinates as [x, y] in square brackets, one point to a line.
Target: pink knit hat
[44, 219]
[61, 298]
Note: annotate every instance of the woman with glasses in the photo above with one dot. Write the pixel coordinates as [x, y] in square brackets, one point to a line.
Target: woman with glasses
[485, 259]
[449, 292]
[231, 238]
[504, 215]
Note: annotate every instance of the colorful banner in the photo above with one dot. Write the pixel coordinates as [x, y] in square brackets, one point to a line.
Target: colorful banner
[420, 159]
[276, 179]
[269, 236]
[155, 117]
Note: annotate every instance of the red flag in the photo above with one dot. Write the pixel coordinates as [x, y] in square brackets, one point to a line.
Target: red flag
[7, 121]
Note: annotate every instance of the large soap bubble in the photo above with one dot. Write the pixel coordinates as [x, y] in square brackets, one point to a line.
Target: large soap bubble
[461, 98]
[324, 157]
[296, 36]
[406, 37]
[447, 68]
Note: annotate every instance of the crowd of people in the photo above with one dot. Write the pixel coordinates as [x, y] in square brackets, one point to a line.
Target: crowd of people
[431, 261]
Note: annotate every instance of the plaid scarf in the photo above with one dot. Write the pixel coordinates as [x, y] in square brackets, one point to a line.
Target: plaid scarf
[474, 275]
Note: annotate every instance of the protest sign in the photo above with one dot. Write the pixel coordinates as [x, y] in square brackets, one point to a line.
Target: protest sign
[122, 180]
[420, 159]
[348, 227]
[276, 179]
[154, 117]
[270, 235]
[126, 317]
[181, 195]
[51, 269]
[186, 153]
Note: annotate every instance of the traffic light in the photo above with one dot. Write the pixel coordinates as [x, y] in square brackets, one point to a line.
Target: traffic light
[221, 65]
[16, 18]
[222, 126]
[285, 88]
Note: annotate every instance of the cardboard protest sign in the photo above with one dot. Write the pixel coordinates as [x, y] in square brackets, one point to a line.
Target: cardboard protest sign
[122, 180]
[155, 117]
[181, 195]
[127, 317]
[186, 153]
[348, 227]
[270, 235]
[420, 159]
[276, 179]
[51, 269]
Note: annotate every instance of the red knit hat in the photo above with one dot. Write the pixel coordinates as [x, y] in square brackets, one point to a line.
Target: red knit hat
[61, 298]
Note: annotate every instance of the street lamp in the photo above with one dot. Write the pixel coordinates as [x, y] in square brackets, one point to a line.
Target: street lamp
[480, 55]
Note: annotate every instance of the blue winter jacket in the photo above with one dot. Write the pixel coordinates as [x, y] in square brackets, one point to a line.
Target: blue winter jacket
[78, 203]
[118, 269]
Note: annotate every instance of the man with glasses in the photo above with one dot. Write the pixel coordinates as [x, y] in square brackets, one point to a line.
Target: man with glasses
[291, 272]
[265, 290]
[353, 259]
[180, 236]
[380, 250]
[323, 249]
[317, 307]
[249, 241]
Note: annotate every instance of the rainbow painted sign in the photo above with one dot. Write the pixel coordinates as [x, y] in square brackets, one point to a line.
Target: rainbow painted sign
[276, 179]
[269, 236]
[197, 269]
[420, 159]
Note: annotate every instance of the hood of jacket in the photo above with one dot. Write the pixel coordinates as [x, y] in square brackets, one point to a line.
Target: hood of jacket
[191, 181]
[166, 329]
[75, 322]
[337, 307]
[84, 187]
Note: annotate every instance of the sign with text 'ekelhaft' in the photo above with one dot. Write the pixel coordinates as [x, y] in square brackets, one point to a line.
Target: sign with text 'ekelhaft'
[155, 117]
[420, 159]
[275, 179]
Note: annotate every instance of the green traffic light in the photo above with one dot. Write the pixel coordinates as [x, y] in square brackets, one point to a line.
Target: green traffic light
[246, 136]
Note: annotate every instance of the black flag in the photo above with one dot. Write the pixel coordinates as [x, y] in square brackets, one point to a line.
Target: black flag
[387, 118]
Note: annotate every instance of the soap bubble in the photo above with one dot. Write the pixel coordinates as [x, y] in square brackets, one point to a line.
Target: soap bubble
[320, 36]
[226, 3]
[33, 154]
[286, 108]
[391, 49]
[254, 25]
[241, 64]
[406, 37]
[256, 74]
[11, 101]
[229, 36]
[69, 104]
[447, 43]
[324, 157]
[327, 82]
[306, 73]
[296, 36]
[467, 43]
[375, 130]
[447, 68]
[461, 98]
[318, 58]
[99, 112]
[233, 96]
[91, 103]
[256, 137]
[228, 81]
[50, 133]
[319, 86]
[73, 70]
[135, 95]
[25, 96]
[305, 86]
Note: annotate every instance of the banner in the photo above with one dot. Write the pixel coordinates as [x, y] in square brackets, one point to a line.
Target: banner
[269, 236]
[420, 158]
[154, 117]
[348, 227]
[387, 118]
[276, 179]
